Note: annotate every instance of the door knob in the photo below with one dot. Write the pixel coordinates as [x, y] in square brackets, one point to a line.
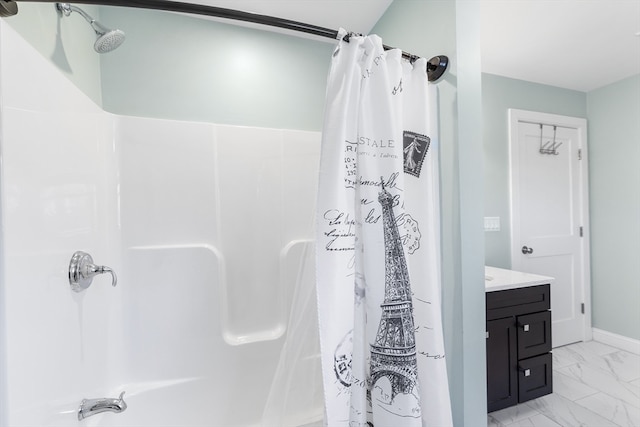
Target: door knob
[526, 250]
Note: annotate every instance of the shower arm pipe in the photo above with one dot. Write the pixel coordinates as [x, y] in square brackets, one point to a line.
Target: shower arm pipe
[436, 66]
[85, 15]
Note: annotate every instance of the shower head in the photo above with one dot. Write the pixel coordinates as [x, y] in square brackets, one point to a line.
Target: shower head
[107, 40]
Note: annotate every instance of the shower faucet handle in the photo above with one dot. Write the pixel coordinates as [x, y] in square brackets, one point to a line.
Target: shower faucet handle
[82, 269]
[101, 269]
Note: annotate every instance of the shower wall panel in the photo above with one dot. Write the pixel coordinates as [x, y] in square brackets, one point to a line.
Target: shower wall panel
[208, 228]
[58, 193]
[166, 179]
[212, 219]
[266, 196]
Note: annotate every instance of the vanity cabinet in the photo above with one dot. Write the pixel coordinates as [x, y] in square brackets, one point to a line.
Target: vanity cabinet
[518, 345]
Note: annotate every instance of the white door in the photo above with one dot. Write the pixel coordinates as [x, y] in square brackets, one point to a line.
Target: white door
[549, 214]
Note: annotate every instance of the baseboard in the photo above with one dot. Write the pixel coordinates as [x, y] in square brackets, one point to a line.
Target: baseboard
[623, 343]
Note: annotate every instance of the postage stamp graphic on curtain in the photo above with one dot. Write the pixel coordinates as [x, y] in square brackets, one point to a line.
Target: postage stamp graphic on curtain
[415, 148]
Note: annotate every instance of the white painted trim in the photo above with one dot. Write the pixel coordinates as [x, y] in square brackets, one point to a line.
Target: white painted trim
[514, 117]
[619, 341]
[514, 176]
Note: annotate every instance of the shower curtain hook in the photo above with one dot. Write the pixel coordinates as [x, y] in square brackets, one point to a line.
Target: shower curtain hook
[350, 34]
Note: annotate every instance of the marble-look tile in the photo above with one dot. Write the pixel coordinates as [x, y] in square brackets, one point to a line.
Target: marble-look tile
[635, 383]
[561, 358]
[583, 351]
[510, 415]
[603, 381]
[594, 347]
[538, 420]
[618, 411]
[567, 413]
[492, 422]
[568, 355]
[570, 388]
[623, 365]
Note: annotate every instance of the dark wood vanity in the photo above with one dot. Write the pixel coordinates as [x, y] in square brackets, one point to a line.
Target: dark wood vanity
[518, 329]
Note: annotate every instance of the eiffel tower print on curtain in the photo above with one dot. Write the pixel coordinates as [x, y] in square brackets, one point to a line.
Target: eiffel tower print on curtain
[394, 353]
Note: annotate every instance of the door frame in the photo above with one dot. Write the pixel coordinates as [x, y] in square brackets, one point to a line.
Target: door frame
[580, 124]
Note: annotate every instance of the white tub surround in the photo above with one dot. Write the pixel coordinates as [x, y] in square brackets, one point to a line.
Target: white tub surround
[207, 227]
[499, 279]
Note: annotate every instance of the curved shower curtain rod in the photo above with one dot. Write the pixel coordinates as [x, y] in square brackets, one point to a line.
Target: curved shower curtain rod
[436, 66]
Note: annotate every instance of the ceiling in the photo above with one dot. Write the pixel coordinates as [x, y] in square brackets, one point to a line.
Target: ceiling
[574, 44]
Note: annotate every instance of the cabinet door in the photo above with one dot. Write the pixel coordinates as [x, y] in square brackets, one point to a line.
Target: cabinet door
[502, 368]
[534, 334]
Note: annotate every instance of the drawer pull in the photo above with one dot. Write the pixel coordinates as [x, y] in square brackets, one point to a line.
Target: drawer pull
[525, 328]
[527, 372]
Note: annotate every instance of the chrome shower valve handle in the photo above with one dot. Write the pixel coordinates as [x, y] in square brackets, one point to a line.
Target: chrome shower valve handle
[82, 269]
[101, 269]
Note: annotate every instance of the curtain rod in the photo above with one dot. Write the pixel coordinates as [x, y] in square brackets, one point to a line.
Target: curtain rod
[436, 66]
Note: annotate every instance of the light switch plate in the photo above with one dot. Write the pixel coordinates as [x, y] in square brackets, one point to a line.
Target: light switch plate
[491, 223]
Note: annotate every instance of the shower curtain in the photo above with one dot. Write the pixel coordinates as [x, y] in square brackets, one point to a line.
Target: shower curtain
[377, 247]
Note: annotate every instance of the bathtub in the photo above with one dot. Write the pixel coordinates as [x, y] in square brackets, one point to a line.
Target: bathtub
[186, 402]
[213, 319]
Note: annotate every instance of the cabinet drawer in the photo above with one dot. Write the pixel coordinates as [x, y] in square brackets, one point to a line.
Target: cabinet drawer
[534, 377]
[534, 334]
[513, 302]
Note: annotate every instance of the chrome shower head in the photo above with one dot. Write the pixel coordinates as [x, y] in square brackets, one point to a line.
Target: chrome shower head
[107, 40]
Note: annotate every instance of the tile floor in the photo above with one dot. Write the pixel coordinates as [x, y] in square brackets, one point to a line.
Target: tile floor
[594, 385]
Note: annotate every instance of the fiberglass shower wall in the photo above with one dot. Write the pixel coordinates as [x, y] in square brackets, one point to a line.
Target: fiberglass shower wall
[206, 226]
[58, 193]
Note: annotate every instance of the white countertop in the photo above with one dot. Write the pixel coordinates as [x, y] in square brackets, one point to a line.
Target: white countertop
[499, 279]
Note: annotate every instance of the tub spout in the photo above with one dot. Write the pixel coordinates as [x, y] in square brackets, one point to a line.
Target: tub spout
[90, 407]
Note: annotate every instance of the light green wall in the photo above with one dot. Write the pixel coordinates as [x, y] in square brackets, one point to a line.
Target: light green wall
[66, 41]
[451, 28]
[471, 173]
[185, 67]
[498, 95]
[614, 203]
[614, 182]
